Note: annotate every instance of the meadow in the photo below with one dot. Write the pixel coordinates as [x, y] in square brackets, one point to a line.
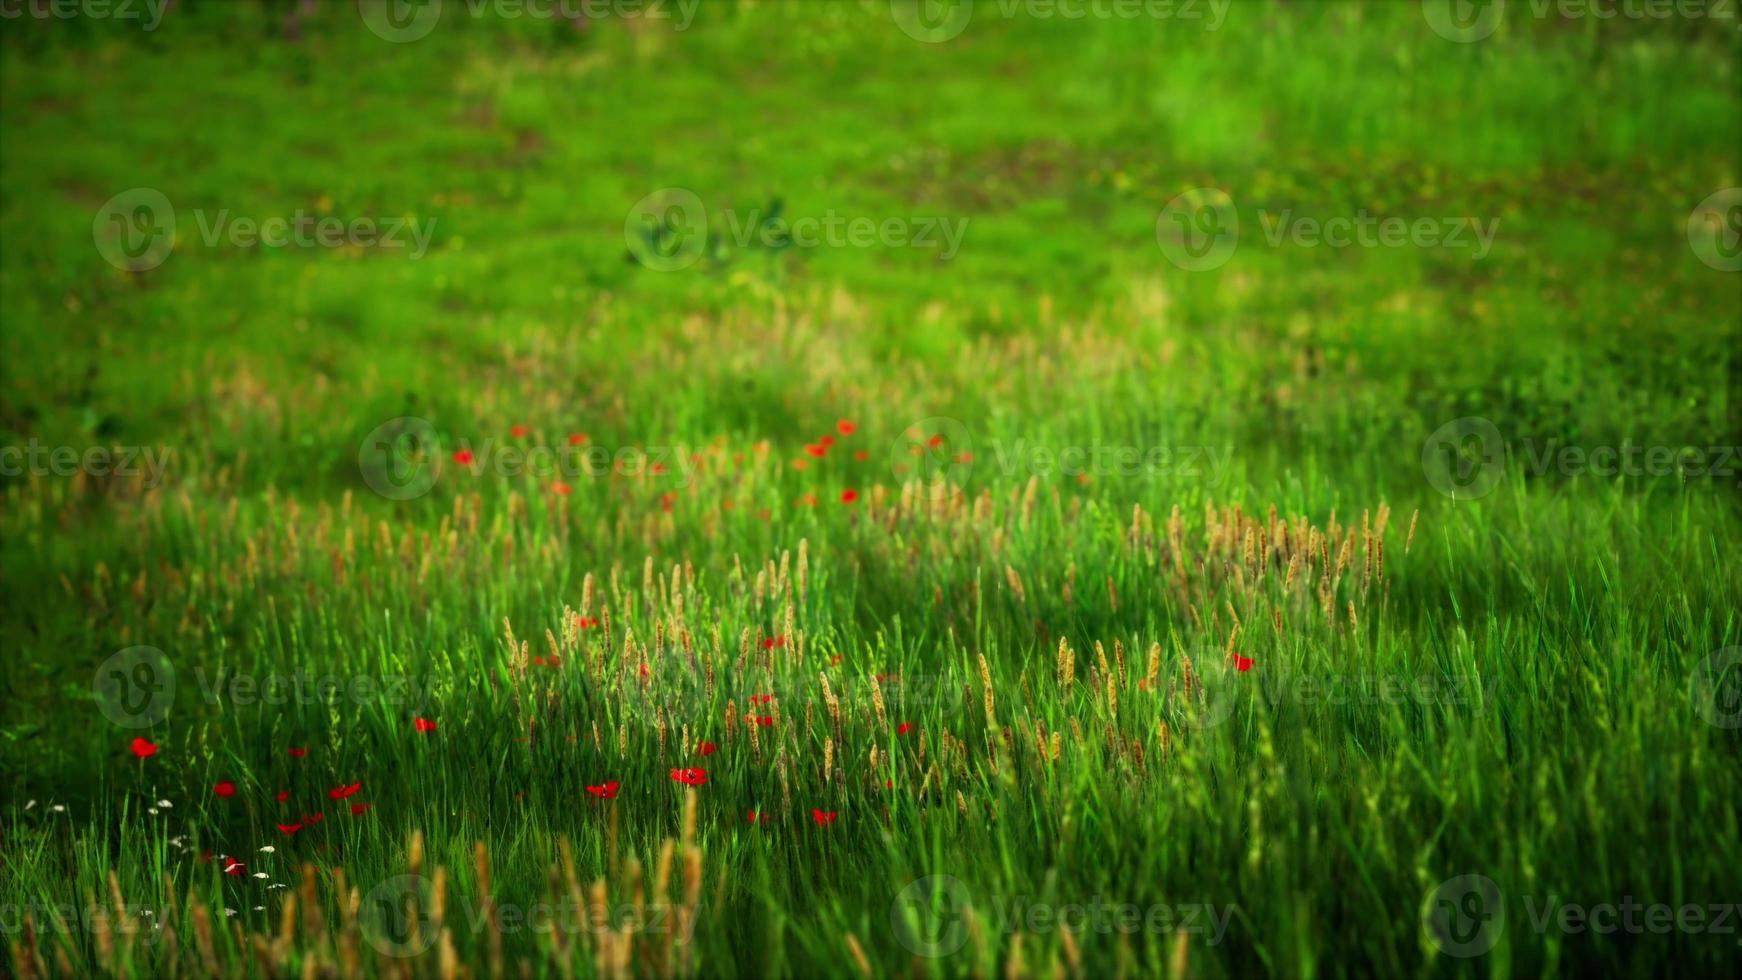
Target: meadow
[861, 489]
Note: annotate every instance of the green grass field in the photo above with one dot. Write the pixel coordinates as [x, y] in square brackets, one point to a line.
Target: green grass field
[847, 488]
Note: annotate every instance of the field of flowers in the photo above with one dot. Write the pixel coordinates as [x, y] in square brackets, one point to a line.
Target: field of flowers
[862, 489]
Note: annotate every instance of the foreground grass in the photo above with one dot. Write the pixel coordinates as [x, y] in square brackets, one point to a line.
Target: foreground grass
[1519, 686]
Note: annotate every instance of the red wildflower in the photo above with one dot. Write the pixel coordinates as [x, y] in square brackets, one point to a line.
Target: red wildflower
[848, 496]
[343, 792]
[576, 438]
[690, 777]
[861, 455]
[283, 795]
[659, 469]
[463, 457]
[289, 828]
[816, 450]
[758, 817]
[314, 818]
[423, 724]
[904, 728]
[234, 867]
[826, 441]
[205, 857]
[835, 660]
[298, 753]
[823, 817]
[846, 427]
[226, 789]
[607, 791]
[142, 748]
[766, 721]
[561, 489]
[359, 808]
[761, 698]
[518, 431]
[935, 441]
[1242, 664]
[707, 748]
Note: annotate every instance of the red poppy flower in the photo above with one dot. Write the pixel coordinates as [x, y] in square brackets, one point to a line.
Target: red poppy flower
[1242, 664]
[283, 795]
[289, 828]
[904, 728]
[518, 431]
[576, 438]
[463, 457]
[343, 792]
[823, 817]
[846, 427]
[690, 777]
[298, 753]
[848, 496]
[766, 721]
[826, 441]
[835, 660]
[234, 867]
[659, 469]
[758, 817]
[707, 748]
[226, 789]
[205, 857]
[423, 724]
[607, 791]
[561, 489]
[861, 455]
[816, 450]
[360, 808]
[314, 818]
[761, 698]
[142, 748]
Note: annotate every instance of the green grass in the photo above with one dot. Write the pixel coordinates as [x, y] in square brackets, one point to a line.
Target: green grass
[1521, 690]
